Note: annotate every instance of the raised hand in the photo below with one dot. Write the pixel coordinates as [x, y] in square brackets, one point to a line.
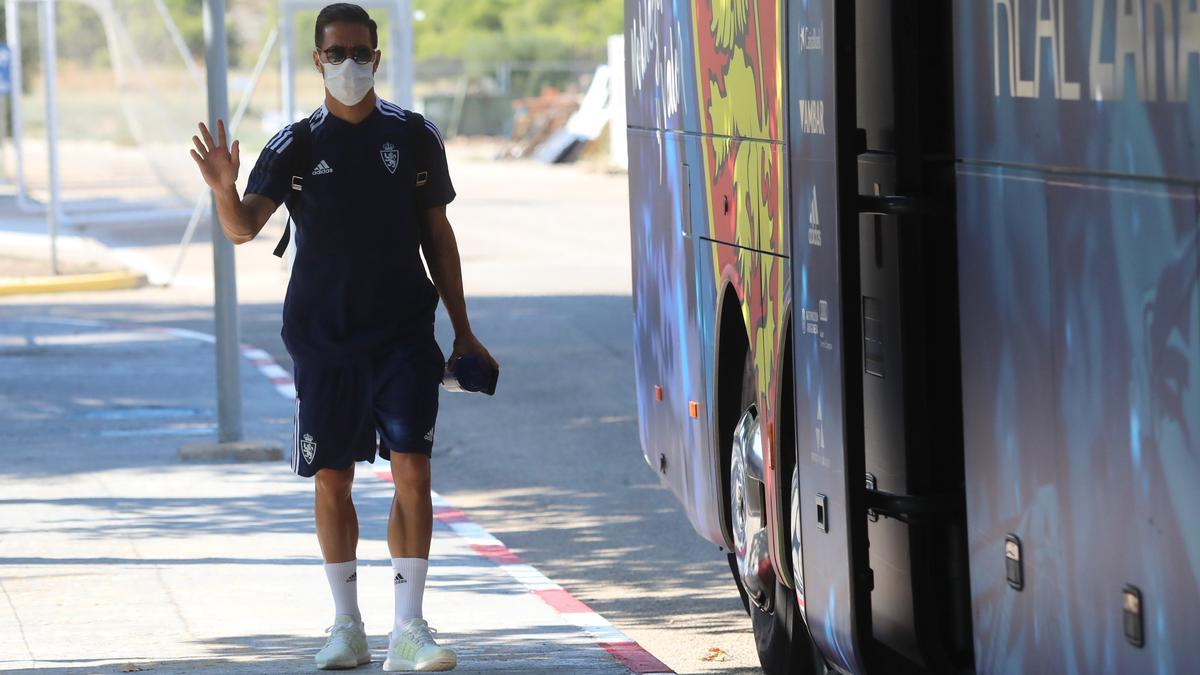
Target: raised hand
[218, 162]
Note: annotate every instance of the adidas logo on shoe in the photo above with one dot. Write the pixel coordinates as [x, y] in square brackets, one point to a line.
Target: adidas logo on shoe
[322, 169]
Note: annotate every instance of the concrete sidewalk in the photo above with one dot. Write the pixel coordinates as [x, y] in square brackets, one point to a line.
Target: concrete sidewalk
[115, 557]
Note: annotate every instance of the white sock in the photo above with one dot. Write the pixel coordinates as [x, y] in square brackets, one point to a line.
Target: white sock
[408, 581]
[343, 582]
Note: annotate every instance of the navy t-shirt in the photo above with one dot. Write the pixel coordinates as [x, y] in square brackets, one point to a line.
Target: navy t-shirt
[358, 283]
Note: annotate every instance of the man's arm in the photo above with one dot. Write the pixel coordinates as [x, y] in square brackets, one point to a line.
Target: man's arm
[241, 219]
[445, 266]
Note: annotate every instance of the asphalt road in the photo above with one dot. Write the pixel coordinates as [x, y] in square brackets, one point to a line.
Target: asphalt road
[552, 465]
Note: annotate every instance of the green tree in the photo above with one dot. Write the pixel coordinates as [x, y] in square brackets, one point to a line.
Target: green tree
[490, 31]
[83, 36]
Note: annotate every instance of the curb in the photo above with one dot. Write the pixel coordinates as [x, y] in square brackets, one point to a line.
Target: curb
[103, 281]
[241, 451]
[622, 648]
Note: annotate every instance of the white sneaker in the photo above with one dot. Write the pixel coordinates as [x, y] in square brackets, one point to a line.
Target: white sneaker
[415, 649]
[346, 646]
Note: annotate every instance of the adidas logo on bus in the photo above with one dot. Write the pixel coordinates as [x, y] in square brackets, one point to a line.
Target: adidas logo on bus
[322, 169]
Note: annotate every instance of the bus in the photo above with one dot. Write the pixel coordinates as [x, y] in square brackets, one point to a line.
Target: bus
[917, 322]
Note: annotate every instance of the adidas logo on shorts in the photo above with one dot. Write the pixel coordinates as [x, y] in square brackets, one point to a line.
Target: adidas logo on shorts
[322, 169]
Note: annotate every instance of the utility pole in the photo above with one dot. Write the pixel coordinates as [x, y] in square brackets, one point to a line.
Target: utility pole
[229, 392]
[48, 23]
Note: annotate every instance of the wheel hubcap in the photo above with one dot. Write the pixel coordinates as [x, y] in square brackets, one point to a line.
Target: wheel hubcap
[748, 515]
[797, 552]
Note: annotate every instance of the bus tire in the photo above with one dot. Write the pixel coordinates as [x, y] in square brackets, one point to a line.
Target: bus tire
[780, 636]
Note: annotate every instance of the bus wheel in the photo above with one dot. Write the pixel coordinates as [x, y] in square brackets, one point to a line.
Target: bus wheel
[737, 577]
[779, 633]
[748, 513]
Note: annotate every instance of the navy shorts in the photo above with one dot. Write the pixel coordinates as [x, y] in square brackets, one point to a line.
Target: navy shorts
[349, 412]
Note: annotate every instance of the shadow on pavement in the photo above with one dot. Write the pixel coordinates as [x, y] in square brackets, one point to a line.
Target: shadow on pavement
[551, 465]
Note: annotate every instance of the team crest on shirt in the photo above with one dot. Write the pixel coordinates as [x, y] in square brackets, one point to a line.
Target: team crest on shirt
[390, 156]
[308, 447]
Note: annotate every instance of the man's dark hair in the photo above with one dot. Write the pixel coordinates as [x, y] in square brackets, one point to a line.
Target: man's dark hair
[346, 13]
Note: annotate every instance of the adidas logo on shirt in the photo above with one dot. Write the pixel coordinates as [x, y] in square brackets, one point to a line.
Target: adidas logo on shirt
[322, 169]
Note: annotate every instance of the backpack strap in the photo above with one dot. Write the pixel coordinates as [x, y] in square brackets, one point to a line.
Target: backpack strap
[414, 125]
[301, 160]
[413, 128]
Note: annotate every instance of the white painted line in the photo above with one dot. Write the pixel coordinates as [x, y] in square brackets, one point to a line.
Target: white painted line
[99, 338]
[274, 372]
[530, 577]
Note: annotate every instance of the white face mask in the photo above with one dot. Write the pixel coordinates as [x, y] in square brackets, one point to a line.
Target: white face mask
[348, 81]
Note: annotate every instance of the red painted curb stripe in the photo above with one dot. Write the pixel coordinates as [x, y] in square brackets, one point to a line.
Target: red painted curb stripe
[563, 602]
[450, 515]
[632, 656]
[497, 554]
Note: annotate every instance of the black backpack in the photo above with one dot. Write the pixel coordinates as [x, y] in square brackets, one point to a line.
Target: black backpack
[302, 161]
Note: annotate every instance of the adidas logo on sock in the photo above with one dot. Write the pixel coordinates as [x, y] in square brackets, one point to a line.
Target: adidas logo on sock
[399, 579]
[322, 169]
[352, 578]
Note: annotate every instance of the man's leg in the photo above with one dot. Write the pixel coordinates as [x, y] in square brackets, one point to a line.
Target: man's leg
[406, 404]
[410, 529]
[410, 525]
[337, 532]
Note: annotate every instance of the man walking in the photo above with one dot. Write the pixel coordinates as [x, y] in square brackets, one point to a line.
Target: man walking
[367, 185]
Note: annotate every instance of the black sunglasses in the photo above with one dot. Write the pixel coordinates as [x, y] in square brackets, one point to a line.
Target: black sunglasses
[336, 55]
